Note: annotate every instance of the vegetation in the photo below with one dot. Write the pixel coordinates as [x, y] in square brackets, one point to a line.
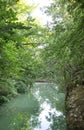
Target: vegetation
[64, 54]
[29, 52]
[65, 58]
[18, 40]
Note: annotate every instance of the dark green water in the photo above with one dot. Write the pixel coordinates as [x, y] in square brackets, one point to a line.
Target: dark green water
[40, 109]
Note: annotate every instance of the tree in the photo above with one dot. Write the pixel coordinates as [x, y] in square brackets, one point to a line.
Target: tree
[19, 40]
[64, 55]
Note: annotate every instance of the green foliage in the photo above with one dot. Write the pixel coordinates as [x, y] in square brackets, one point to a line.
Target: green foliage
[20, 87]
[20, 37]
[29, 52]
[7, 91]
[58, 122]
[21, 119]
[63, 57]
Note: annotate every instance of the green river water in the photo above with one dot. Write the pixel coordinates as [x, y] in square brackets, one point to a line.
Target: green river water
[41, 109]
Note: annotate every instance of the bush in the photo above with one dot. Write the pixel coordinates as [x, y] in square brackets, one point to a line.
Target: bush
[20, 87]
[6, 92]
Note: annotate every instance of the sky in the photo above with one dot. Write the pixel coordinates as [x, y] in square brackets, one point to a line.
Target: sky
[38, 13]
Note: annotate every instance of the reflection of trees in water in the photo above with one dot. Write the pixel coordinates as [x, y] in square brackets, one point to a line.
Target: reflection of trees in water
[35, 121]
[25, 111]
[23, 122]
[56, 100]
[20, 119]
[47, 91]
[58, 123]
[57, 120]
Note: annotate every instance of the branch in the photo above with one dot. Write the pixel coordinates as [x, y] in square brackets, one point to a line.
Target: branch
[10, 27]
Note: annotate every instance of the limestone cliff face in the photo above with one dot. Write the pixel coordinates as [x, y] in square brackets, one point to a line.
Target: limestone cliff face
[75, 108]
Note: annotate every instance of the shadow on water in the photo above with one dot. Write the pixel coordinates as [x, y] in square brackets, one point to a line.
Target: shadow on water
[41, 109]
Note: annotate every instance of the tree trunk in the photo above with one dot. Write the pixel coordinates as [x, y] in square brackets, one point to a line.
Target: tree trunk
[75, 108]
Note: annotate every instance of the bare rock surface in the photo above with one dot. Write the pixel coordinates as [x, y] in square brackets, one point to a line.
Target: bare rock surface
[75, 108]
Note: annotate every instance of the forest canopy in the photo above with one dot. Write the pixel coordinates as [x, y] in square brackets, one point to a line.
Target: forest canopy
[29, 51]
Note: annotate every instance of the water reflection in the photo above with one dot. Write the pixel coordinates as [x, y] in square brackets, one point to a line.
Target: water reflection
[45, 116]
[51, 115]
[16, 114]
[41, 109]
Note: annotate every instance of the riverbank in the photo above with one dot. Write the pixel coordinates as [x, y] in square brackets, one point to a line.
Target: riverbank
[75, 108]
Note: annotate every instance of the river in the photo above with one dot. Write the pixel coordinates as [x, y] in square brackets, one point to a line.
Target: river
[41, 109]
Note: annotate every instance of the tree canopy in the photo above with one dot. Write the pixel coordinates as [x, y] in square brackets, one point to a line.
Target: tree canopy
[29, 51]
